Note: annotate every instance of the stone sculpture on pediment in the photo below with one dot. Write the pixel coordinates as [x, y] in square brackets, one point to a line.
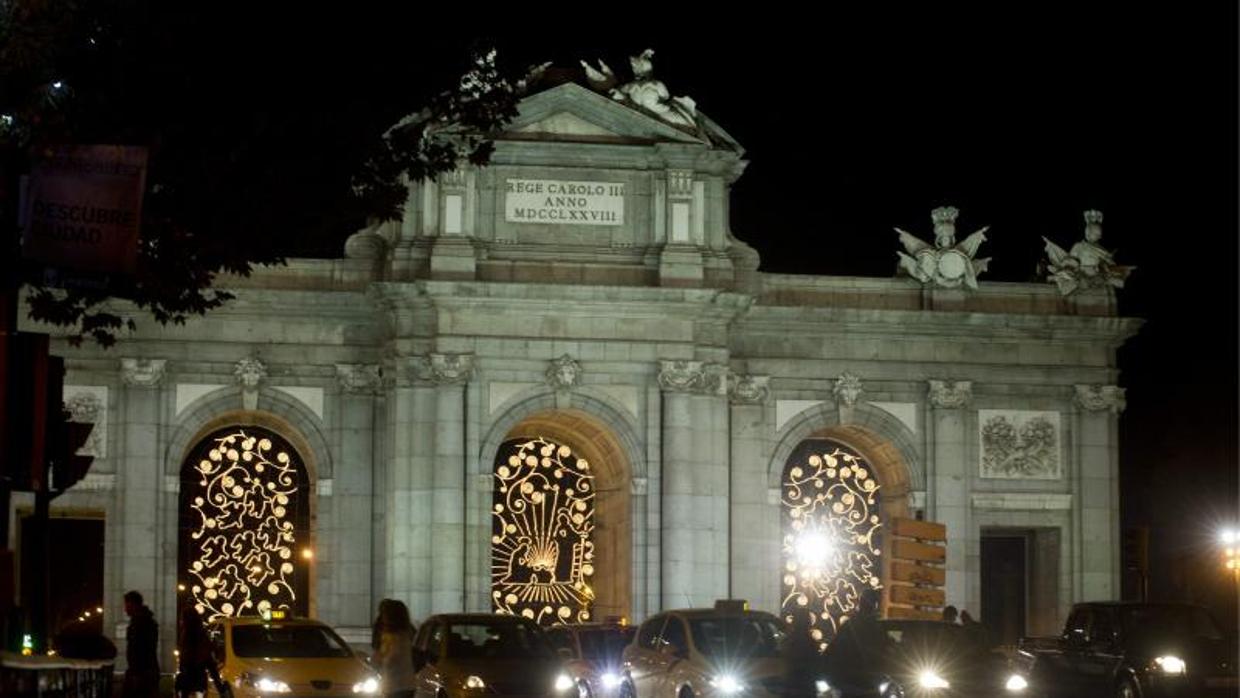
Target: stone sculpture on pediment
[946, 263]
[1088, 265]
[643, 91]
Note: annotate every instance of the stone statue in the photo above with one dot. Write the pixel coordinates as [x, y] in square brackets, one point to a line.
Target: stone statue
[563, 373]
[1088, 265]
[643, 91]
[946, 263]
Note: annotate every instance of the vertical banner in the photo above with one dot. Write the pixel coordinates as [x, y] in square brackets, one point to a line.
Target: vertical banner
[83, 208]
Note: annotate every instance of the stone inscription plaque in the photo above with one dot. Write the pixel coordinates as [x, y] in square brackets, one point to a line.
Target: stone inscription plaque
[563, 202]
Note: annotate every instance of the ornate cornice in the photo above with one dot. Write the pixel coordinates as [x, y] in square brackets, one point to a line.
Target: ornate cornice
[359, 378]
[142, 373]
[444, 369]
[749, 389]
[1095, 398]
[946, 394]
[847, 389]
[563, 373]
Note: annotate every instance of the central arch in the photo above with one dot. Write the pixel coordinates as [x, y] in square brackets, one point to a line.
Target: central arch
[567, 437]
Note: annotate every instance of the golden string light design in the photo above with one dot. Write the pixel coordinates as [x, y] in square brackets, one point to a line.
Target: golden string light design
[542, 521]
[831, 543]
[242, 537]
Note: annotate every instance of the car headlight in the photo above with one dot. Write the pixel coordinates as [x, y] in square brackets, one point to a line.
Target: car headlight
[1171, 664]
[930, 679]
[821, 687]
[266, 685]
[370, 686]
[1016, 683]
[563, 683]
[609, 680]
[727, 684]
[475, 683]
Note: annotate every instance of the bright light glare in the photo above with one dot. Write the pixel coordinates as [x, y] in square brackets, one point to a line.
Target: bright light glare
[57, 85]
[813, 549]
[563, 683]
[727, 684]
[475, 682]
[1170, 664]
[610, 680]
[370, 686]
[929, 679]
[1229, 536]
[266, 685]
[822, 686]
[1016, 683]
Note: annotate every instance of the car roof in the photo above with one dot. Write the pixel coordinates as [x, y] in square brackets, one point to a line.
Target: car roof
[694, 613]
[256, 620]
[1138, 604]
[477, 618]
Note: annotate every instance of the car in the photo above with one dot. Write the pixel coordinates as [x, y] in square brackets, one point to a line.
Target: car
[593, 652]
[1135, 650]
[922, 658]
[485, 654]
[727, 650]
[288, 656]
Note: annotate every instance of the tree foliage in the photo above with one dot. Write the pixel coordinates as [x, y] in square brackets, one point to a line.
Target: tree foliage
[252, 156]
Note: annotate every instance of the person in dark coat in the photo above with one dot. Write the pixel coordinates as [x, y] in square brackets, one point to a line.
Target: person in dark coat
[141, 650]
[799, 651]
[860, 642]
[195, 661]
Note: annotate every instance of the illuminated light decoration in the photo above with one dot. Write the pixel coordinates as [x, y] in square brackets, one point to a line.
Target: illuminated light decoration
[831, 542]
[241, 521]
[542, 523]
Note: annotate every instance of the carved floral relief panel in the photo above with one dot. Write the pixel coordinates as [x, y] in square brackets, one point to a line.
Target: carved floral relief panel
[1019, 444]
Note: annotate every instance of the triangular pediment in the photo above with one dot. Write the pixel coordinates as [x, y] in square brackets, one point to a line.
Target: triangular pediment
[576, 113]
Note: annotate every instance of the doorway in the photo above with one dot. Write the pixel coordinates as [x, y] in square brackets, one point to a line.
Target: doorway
[1004, 585]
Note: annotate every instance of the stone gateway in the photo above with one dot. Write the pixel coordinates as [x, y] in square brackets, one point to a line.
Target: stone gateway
[560, 387]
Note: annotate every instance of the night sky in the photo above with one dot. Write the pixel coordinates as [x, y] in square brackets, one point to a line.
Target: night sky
[854, 124]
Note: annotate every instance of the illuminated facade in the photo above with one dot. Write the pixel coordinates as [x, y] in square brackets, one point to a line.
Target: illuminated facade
[689, 402]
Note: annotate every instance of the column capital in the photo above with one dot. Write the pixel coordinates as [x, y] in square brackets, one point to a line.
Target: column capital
[948, 394]
[694, 377]
[359, 378]
[1096, 398]
[444, 369]
[749, 389]
[142, 373]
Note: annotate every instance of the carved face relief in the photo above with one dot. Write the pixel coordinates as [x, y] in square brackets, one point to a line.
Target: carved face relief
[250, 372]
[563, 373]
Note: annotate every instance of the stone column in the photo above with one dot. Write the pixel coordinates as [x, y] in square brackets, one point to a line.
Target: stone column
[353, 494]
[139, 486]
[694, 489]
[949, 484]
[752, 536]
[1097, 460]
[406, 492]
[449, 373]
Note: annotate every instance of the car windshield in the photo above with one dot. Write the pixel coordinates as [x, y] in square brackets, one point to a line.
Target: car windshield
[502, 640]
[1170, 622]
[736, 637]
[604, 643]
[287, 641]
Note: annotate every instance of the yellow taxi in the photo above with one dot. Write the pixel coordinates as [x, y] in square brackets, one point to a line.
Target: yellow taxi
[278, 657]
[727, 650]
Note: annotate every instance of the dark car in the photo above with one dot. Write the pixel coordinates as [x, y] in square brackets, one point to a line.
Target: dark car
[1135, 650]
[907, 658]
[483, 654]
[593, 654]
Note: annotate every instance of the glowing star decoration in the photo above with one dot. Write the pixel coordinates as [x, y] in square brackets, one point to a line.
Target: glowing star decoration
[831, 538]
[542, 552]
[242, 538]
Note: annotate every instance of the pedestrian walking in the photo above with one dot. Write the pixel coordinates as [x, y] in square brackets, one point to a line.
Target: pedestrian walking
[141, 650]
[800, 654]
[392, 642]
[195, 662]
